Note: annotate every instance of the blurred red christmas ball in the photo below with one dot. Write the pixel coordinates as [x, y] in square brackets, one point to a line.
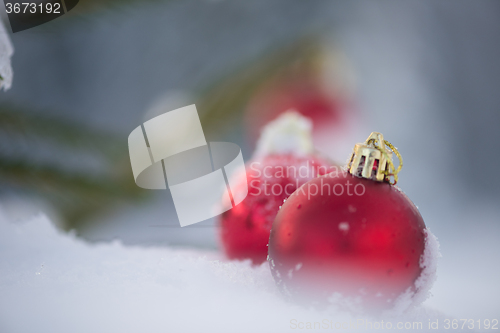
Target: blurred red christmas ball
[244, 230]
[283, 161]
[349, 238]
[302, 93]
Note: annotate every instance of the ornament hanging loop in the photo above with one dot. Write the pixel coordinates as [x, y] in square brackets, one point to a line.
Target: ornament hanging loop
[373, 160]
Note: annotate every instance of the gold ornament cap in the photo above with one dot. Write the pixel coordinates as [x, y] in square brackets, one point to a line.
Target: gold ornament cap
[373, 160]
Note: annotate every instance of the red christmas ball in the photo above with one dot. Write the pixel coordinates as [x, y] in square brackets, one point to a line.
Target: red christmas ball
[344, 238]
[304, 94]
[244, 230]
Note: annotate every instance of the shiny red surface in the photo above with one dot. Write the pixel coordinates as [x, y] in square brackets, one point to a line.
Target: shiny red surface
[364, 246]
[244, 230]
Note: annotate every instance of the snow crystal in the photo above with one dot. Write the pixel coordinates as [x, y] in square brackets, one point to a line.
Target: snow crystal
[290, 133]
[338, 302]
[344, 226]
[428, 263]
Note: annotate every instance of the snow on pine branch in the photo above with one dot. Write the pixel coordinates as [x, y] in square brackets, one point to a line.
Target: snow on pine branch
[6, 52]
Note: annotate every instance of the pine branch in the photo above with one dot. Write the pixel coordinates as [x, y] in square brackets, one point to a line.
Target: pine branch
[78, 196]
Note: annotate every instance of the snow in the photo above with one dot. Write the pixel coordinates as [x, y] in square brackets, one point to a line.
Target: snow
[6, 52]
[424, 283]
[55, 282]
[429, 264]
[290, 133]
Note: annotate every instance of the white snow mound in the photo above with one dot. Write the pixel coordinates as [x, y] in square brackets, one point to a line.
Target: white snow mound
[290, 133]
[54, 282]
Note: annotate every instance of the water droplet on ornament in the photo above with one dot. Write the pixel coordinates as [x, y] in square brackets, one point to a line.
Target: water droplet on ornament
[298, 266]
[351, 208]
